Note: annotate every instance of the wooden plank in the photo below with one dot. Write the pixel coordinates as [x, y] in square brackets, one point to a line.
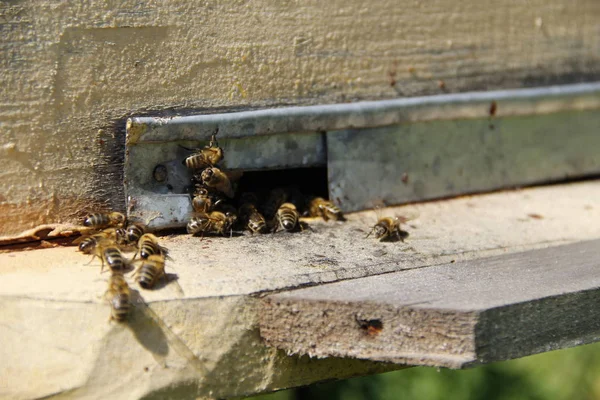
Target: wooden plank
[451, 315]
[213, 308]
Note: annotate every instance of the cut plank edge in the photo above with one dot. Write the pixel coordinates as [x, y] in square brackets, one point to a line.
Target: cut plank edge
[305, 321]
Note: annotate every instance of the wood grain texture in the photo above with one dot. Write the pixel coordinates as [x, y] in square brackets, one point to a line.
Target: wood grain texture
[451, 315]
[70, 76]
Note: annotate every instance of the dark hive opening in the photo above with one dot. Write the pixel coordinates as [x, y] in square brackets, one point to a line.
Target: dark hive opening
[310, 181]
[301, 183]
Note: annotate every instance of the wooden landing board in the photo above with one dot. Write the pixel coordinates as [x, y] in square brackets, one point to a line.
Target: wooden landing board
[451, 315]
[204, 324]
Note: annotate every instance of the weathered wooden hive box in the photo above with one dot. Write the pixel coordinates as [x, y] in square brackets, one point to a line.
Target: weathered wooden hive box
[453, 113]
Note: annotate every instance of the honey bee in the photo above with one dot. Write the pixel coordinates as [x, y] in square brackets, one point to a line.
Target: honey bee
[204, 201]
[215, 222]
[104, 220]
[109, 253]
[275, 199]
[87, 244]
[319, 207]
[207, 157]
[150, 271]
[287, 216]
[254, 219]
[134, 232]
[148, 245]
[198, 223]
[214, 178]
[118, 295]
[388, 229]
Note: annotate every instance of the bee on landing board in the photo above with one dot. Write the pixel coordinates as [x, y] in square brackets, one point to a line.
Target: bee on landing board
[287, 217]
[388, 229]
[253, 219]
[118, 296]
[148, 245]
[104, 220]
[319, 207]
[88, 243]
[150, 271]
[216, 222]
[133, 233]
[110, 254]
[209, 156]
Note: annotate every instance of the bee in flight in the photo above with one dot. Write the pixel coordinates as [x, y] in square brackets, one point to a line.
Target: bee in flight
[216, 222]
[209, 156]
[150, 271]
[319, 207]
[104, 220]
[287, 217]
[118, 295]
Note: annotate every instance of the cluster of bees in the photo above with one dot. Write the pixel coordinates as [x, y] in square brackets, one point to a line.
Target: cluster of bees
[107, 236]
[218, 210]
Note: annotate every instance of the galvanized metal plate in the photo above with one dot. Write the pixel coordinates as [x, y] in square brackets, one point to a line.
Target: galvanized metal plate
[393, 150]
[413, 162]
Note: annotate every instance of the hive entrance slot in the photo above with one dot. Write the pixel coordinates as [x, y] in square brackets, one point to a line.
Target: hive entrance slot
[300, 184]
[309, 181]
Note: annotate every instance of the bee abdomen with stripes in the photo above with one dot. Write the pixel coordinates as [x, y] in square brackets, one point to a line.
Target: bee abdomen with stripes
[287, 216]
[118, 293]
[148, 245]
[150, 271]
[104, 220]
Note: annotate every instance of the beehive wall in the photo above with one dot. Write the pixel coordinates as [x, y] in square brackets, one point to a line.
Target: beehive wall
[70, 72]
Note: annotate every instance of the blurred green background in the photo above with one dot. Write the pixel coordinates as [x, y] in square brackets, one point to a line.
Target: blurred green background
[572, 374]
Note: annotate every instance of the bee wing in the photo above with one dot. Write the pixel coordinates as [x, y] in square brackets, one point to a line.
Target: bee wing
[405, 217]
[377, 205]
